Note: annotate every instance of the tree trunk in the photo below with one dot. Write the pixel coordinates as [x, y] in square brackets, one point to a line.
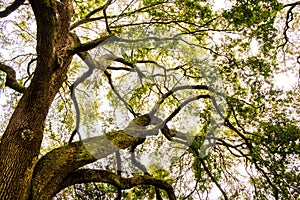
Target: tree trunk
[20, 144]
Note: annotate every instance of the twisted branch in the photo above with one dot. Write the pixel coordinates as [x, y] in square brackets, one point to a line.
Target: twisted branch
[11, 80]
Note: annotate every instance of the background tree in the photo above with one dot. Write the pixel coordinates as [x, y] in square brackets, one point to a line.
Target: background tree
[256, 152]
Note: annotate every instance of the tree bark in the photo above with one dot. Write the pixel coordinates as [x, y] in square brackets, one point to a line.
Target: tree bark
[20, 143]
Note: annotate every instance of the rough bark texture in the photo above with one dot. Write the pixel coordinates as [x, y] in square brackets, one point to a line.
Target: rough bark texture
[52, 169]
[20, 144]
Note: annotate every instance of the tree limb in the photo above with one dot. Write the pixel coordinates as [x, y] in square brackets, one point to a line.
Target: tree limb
[88, 18]
[183, 87]
[92, 65]
[89, 45]
[11, 80]
[292, 4]
[11, 8]
[99, 9]
[209, 172]
[53, 167]
[89, 175]
[288, 20]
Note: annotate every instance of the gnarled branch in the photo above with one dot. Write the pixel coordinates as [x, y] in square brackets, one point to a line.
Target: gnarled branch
[89, 175]
[11, 8]
[52, 168]
[11, 80]
[288, 20]
[89, 45]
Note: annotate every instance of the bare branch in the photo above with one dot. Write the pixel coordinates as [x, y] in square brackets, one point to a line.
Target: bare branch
[213, 178]
[177, 22]
[209, 173]
[119, 68]
[292, 4]
[176, 111]
[11, 8]
[11, 80]
[88, 19]
[90, 45]
[83, 21]
[129, 107]
[105, 16]
[288, 20]
[183, 87]
[89, 175]
[123, 61]
[92, 65]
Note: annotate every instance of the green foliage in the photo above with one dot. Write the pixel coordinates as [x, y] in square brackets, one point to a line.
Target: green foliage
[139, 93]
[83, 7]
[261, 132]
[250, 13]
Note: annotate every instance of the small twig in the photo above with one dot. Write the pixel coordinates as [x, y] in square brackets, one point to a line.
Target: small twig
[129, 107]
[209, 174]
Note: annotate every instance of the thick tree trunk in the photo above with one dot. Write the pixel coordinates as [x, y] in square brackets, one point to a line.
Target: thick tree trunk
[20, 144]
[21, 141]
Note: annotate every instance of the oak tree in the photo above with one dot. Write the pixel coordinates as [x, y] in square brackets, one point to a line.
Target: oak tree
[89, 87]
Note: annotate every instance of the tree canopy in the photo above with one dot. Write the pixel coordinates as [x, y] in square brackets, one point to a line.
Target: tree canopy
[163, 99]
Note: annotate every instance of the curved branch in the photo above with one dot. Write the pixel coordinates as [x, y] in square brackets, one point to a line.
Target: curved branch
[206, 96]
[93, 65]
[88, 73]
[90, 45]
[11, 8]
[11, 80]
[289, 18]
[89, 175]
[123, 61]
[53, 167]
[139, 131]
[129, 107]
[183, 87]
[176, 111]
[88, 16]
[209, 173]
[99, 9]
[213, 178]
[292, 4]
[105, 16]
[177, 22]
[88, 19]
